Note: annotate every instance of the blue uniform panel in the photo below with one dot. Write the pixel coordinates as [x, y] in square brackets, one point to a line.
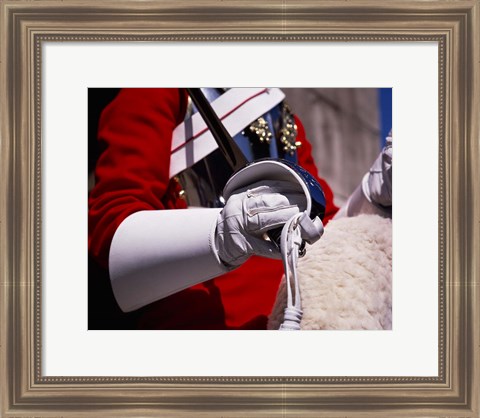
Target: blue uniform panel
[385, 111]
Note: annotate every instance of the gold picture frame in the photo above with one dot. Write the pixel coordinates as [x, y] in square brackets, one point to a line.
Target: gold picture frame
[26, 25]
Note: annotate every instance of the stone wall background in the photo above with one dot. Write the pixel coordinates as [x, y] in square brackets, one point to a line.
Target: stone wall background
[343, 126]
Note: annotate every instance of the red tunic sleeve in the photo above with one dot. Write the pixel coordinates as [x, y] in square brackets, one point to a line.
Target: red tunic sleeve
[305, 160]
[132, 173]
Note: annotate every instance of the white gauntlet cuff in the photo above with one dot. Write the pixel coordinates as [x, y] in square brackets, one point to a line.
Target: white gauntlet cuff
[160, 252]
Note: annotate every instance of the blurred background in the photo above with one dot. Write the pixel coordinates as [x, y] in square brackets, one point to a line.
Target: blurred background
[346, 127]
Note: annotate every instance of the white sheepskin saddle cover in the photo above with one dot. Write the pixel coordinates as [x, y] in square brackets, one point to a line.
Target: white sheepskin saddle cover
[345, 278]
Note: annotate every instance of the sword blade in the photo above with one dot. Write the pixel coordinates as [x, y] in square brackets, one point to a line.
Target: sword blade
[224, 140]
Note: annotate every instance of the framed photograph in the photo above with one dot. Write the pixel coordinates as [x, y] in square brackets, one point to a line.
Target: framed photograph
[59, 360]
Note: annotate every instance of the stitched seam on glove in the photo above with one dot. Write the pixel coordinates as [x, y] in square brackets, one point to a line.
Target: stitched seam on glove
[256, 211]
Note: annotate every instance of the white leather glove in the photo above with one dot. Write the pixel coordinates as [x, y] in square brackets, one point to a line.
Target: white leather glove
[252, 211]
[377, 183]
[374, 194]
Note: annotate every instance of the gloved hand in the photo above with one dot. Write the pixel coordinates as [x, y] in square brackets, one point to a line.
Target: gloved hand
[377, 183]
[249, 213]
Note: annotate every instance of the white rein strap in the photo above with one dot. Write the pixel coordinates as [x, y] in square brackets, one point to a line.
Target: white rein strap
[299, 227]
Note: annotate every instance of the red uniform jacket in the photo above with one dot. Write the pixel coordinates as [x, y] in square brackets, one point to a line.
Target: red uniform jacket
[132, 174]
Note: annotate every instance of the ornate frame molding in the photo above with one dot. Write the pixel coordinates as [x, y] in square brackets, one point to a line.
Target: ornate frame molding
[453, 24]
